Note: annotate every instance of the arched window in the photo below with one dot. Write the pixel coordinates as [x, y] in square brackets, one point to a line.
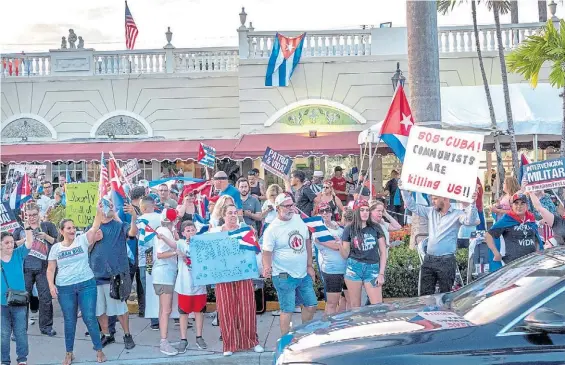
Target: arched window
[121, 124]
[27, 127]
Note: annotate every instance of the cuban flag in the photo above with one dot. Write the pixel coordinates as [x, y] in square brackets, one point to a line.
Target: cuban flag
[284, 58]
[318, 228]
[21, 193]
[117, 192]
[246, 238]
[200, 223]
[146, 233]
[522, 178]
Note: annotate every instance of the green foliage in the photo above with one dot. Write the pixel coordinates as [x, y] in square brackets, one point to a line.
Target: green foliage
[445, 6]
[546, 46]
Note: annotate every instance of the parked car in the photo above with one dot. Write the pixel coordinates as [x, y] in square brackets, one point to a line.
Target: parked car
[515, 315]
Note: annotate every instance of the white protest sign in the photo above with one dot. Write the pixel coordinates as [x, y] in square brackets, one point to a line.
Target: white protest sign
[131, 169]
[442, 163]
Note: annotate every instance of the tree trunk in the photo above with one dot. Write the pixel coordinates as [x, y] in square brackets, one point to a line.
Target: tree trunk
[423, 62]
[499, 164]
[562, 148]
[504, 74]
[514, 12]
[542, 11]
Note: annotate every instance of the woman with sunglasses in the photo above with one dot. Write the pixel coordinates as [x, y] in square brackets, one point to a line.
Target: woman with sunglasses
[328, 196]
[363, 245]
[330, 262]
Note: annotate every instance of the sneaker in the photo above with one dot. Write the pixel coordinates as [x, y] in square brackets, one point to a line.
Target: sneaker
[228, 353]
[259, 349]
[167, 349]
[182, 346]
[155, 327]
[141, 314]
[87, 334]
[128, 342]
[177, 322]
[22, 363]
[276, 313]
[215, 322]
[51, 332]
[106, 340]
[297, 310]
[201, 344]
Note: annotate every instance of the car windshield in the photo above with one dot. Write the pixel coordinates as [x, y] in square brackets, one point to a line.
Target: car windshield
[489, 298]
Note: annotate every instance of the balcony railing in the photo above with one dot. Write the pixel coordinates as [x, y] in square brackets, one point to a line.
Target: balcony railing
[206, 59]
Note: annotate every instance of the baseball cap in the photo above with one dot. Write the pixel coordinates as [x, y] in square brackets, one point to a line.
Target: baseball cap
[360, 203]
[338, 168]
[169, 215]
[318, 174]
[519, 196]
[282, 198]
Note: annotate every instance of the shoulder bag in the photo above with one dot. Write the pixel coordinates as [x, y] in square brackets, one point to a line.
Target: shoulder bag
[15, 298]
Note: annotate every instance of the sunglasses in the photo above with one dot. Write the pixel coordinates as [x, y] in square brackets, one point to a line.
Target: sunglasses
[287, 206]
[327, 187]
[325, 211]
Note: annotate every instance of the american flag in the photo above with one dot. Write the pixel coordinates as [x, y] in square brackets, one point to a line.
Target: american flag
[103, 184]
[131, 29]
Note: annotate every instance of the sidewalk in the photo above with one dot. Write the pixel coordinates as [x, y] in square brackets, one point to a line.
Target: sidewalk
[51, 350]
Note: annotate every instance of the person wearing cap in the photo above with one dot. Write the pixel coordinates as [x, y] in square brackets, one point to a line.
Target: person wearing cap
[317, 182]
[363, 245]
[164, 275]
[303, 195]
[287, 258]
[256, 189]
[519, 231]
[444, 223]
[339, 183]
[223, 187]
[362, 193]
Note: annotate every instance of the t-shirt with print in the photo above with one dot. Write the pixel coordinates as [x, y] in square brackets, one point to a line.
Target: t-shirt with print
[14, 270]
[558, 229]
[330, 260]
[154, 221]
[185, 283]
[363, 249]
[72, 262]
[164, 270]
[287, 241]
[340, 184]
[519, 241]
[252, 204]
[304, 199]
[37, 257]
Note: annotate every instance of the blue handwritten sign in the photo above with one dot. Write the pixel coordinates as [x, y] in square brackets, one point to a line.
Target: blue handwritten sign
[544, 175]
[217, 258]
[276, 163]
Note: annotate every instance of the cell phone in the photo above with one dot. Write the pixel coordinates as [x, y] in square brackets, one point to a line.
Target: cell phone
[283, 275]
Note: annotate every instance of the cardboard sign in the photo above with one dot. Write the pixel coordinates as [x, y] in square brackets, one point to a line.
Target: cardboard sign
[8, 222]
[442, 163]
[545, 174]
[81, 203]
[276, 163]
[206, 156]
[217, 258]
[131, 169]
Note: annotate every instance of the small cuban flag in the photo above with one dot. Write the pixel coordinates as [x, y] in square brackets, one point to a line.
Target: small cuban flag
[284, 59]
[146, 233]
[206, 156]
[318, 228]
[246, 238]
[200, 223]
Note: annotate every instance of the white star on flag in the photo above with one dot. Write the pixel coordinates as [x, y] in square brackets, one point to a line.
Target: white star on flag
[406, 121]
[289, 47]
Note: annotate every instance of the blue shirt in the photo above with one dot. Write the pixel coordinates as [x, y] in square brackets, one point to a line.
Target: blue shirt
[443, 229]
[234, 193]
[14, 270]
[109, 256]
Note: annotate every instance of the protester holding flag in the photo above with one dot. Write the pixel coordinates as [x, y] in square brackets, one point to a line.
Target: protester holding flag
[14, 318]
[331, 264]
[222, 187]
[236, 301]
[75, 286]
[551, 218]
[287, 257]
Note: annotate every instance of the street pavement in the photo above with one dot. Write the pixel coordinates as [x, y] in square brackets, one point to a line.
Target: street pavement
[51, 350]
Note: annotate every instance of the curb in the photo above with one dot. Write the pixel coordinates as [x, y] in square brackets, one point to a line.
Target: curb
[265, 358]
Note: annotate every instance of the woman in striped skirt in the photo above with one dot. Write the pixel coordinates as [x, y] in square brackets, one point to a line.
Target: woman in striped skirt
[236, 302]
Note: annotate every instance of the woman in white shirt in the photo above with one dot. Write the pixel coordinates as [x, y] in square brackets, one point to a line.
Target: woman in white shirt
[164, 275]
[75, 286]
[192, 298]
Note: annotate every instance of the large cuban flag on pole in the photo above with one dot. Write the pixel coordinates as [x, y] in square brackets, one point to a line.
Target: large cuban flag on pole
[285, 57]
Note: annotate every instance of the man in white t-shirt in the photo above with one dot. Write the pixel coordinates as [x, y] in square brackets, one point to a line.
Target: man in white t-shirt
[287, 257]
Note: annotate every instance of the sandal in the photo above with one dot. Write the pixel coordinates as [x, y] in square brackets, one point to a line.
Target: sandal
[100, 357]
[69, 357]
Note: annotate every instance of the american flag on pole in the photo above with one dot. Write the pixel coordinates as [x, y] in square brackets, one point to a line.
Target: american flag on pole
[131, 29]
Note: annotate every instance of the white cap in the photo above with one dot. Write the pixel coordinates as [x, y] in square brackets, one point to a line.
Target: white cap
[318, 174]
[281, 198]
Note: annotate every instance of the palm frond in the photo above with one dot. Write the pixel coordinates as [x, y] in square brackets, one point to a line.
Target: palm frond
[503, 6]
[446, 6]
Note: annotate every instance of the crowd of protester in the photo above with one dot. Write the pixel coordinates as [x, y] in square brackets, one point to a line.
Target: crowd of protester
[91, 274]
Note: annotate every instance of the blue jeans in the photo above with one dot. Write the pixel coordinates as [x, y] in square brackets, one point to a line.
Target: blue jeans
[142, 273]
[288, 288]
[72, 298]
[360, 271]
[14, 319]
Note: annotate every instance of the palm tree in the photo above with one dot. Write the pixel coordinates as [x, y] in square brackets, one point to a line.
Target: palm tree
[528, 58]
[444, 6]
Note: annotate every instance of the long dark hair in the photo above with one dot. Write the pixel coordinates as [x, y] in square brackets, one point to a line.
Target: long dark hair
[357, 226]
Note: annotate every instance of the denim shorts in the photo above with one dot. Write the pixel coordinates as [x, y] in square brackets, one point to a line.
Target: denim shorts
[360, 271]
[289, 287]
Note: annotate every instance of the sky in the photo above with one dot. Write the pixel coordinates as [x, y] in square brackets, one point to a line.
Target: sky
[38, 25]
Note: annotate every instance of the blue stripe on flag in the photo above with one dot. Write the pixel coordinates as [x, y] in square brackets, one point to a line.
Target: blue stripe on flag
[395, 145]
[272, 62]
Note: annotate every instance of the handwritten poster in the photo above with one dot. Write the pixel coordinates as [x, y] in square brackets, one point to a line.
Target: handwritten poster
[276, 163]
[81, 203]
[442, 163]
[206, 155]
[131, 169]
[543, 175]
[217, 258]
[8, 222]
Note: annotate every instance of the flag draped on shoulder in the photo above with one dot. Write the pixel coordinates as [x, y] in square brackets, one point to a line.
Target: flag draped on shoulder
[246, 238]
[146, 232]
[285, 56]
[318, 228]
[21, 193]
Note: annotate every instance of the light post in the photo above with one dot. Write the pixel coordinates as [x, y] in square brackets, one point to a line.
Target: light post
[397, 78]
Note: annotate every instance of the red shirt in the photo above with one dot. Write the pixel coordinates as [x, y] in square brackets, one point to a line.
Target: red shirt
[339, 183]
[479, 200]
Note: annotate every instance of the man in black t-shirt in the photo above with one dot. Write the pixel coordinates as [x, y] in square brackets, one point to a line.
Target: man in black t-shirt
[303, 195]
